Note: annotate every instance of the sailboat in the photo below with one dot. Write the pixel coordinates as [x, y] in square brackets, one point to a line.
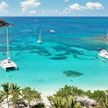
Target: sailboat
[7, 63]
[40, 38]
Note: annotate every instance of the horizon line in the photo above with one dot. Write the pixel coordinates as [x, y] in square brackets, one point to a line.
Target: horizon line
[52, 16]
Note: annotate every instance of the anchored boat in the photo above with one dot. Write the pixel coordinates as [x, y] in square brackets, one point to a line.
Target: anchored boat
[103, 53]
[40, 38]
[52, 31]
[7, 63]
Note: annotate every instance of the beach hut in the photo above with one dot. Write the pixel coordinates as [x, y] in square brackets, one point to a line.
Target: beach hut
[7, 63]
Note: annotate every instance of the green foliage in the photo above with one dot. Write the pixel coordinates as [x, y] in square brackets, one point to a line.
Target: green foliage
[17, 96]
[89, 93]
[70, 103]
[60, 102]
[30, 95]
[6, 88]
[6, 91]
[1, 96]
[15, 93]
[98, 95]
[57, 102]
[64, 97]
[103, 104]
[69, 90]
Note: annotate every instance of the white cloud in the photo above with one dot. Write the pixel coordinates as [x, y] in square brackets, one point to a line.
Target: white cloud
[75, 7]
[87, 6]
[29, 4]
[49, 12]
[66, 0]
[3, 6]
[33, 12]
[91, 5]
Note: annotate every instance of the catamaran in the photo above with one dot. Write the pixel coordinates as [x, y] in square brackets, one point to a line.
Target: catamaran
[7, 63]
[40, 38]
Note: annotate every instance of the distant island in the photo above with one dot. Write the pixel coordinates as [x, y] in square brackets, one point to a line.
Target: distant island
[3, 23]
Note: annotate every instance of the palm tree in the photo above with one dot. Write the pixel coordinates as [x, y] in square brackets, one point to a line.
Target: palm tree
[6, 89]
[60, 102]
[30, 95]
[57, 102]
[15, 93]
[71, 103]
[1, 96]
[103, 103]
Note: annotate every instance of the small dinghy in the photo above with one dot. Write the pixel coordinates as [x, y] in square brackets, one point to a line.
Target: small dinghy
[52, 31]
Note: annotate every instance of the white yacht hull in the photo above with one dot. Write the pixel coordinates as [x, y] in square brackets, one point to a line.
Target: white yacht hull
[52, 31]
[7, 64]
[39, 41]
[103, 54]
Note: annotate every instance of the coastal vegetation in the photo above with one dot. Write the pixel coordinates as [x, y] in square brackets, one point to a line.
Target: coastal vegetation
[13, 96]
[73, 97]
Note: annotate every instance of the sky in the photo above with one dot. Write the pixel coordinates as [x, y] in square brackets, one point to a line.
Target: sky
[53, 7]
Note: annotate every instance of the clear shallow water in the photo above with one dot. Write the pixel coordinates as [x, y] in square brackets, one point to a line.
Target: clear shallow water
[74, 47]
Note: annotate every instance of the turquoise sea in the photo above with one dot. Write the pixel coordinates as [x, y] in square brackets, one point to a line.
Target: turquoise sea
[68, 56]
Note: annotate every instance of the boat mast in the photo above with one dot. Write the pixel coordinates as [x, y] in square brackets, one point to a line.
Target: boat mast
[40, 35]
[7, 37]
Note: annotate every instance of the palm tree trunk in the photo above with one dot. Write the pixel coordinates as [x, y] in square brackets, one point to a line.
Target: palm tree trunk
[29, 106]
[14, 106]
[7, 102]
